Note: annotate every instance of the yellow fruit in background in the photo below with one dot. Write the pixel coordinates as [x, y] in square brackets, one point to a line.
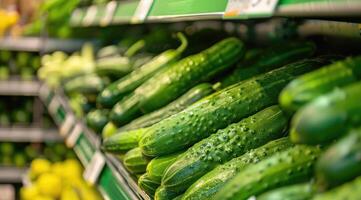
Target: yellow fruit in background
[41, 197]
[39, 166]
[58, 168]
[49, 184]
[28, 193]
[69, 193]
[72, 169]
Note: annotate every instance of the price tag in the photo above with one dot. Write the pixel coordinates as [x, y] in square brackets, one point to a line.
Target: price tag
[250, 8]
[74, 135]
[67, 125]
[109, 13]
[53, 106]
[94, 168]
[44, 92]
[90, 15]
[142, 11]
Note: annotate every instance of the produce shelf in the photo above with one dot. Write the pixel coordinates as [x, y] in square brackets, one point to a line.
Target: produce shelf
[11, 174]
[15, 87]
[38, 44]
[126, 12]
[103, 170]
[28, 134]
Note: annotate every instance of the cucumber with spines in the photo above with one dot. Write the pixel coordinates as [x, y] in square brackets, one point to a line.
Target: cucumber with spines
[123, 141]
[268, 59]
[309, 86]
[135, 162]
[148, 184]
[301, 191]
[210, 183]
[328, 117]
[193, 95]
[291, 166]
[233, 141]
[157, 166]
[220, 109]
[175, 80]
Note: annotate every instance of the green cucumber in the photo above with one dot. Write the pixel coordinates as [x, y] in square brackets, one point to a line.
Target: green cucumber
[108, 51]
[219, 110]
[301, 191]
[179, 197]
[97, 119]
[163, 193]
[314, 84]
[174, 81]
[347, 191]
[328, 117]
[341, 162]
[148, 185]
[122, 87]
[135, 162]
[158, 165]
[213, 181]
[109, 130]
[193, 95]
[85, 84]
[123, 141]
[233, 141]
[271, 58]
[288, 167]
[114, 67]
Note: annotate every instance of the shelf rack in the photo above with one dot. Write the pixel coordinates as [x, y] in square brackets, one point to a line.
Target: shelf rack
[29, 134]
[138, 11]
[11, 174]
[104, 170]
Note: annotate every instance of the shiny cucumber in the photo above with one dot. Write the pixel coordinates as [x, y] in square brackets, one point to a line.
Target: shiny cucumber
[97, 119]
[158, 165]
[123, 141]
[135, 162]
[148, 185]
[301, 191]
[163, 193]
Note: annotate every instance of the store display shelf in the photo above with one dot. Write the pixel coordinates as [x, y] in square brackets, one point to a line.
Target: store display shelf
[18, 87]
[28, 134]
[136, 11]
[11, 174]
[100, 169]
[38, 44]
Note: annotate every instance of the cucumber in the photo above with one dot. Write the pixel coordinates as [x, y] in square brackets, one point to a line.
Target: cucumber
[328, 117]
[341, 162]
[97, 119]
[158, 165]
[135, 162]
[108, 51]
[109, 130]
[122, 87]
[301, 191]
[179, 197]
[177, 79]
[114, 67]
[193, 95]
[347, 191]
[148, 185]
[219, 109]
[210, 183]
[123, 141]
[85, 84]
[163, 193]
[314, 84]
[270, 58]
[288, 167]
[233, 141]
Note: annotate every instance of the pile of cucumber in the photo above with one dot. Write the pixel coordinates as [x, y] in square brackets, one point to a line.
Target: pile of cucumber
[231, 122]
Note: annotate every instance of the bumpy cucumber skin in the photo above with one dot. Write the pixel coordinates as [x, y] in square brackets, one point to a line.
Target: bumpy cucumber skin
[222, 146]
[193, 95]
[157, 166]
[135, 162]
[97, 119]
[175, 80]
[341, 162]
[328, 117]
[271, 58]
[218, 110]
[123, 141]
[302, 191]
[347, 191]
[213, 181]
[148, 184]
[122, 87]
[163, 193]
[290, 166]
[314, 84]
